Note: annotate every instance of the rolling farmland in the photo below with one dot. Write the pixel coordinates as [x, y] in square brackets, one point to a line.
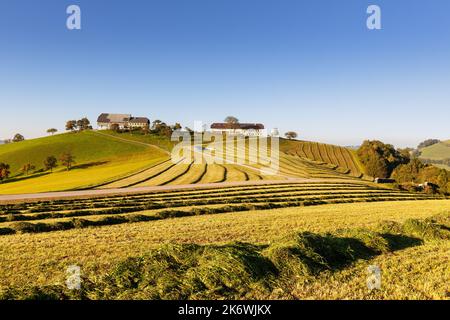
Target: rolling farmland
[50, 235]
[54, 215]
[223, 233]
[342, 158]
[127, 161]
[320, 162]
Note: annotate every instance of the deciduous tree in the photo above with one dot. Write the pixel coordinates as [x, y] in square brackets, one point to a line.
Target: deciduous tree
[67, 160]
[52, 131]
[50, 163]
[26, 168]
[291, 135]
[18, 137]
[71, 125]
[4, 171]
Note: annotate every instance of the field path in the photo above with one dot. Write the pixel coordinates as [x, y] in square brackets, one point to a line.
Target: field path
[132, 141]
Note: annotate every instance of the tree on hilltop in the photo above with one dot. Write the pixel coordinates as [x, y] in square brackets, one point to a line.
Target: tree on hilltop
[84, 124]
[18, 137]
[71, 125]
[291, 135]
[52, 131]
[231, 120]
[427, 143]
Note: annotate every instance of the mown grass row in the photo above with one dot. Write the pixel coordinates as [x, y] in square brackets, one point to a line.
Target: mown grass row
[339, 156]
[116, 215]
[241, 270]
[139, 200]
[316, 165]
[181, 193]
[151, 203]
[203, 202]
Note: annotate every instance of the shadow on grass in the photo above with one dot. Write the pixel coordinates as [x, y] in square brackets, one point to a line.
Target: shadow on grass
[22, 178]
[236, 270]
[90, 165]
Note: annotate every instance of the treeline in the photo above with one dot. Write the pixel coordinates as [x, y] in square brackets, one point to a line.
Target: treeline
[427, 143]
[445, 162]
[384, 161]
[66, 159]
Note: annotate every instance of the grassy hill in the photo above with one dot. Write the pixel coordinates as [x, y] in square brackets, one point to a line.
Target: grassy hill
[294, 239]
[98, 159]
[117, 160]
[438, 151]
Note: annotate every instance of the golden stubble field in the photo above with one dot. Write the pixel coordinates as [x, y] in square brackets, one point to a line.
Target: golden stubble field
[414, 272]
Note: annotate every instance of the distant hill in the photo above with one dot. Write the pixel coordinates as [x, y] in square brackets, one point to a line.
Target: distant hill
[437, 152]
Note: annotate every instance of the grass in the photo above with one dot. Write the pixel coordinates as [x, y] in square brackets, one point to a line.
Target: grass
[53, 215]
[287, 267]
[341, 157]
[98, 159]
[437, 151]
[111, 160]
[156, 140]
[43, 257]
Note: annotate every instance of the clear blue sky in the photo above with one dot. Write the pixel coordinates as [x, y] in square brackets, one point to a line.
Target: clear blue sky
[309, 66]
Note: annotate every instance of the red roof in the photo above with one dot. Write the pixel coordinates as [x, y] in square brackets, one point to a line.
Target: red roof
[247, 126]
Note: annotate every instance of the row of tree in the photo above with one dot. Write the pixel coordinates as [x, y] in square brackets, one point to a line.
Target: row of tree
[78, 125]
[51, 162]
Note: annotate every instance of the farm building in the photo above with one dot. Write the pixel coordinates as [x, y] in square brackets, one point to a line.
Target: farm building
[124, 121]
[382, 180]
[245, 129]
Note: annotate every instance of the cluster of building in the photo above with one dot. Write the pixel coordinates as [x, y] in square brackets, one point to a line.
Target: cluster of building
[107, 121]
[126, 121]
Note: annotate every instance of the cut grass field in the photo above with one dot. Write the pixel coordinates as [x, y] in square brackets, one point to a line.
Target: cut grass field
[342, 158]
[291, 165]
[106, 159]
[41, 259]
[311, 235]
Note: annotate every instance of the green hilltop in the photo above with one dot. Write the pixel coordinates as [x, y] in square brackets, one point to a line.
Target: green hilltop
[438, 154]
[99, 157]
[437, 151]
